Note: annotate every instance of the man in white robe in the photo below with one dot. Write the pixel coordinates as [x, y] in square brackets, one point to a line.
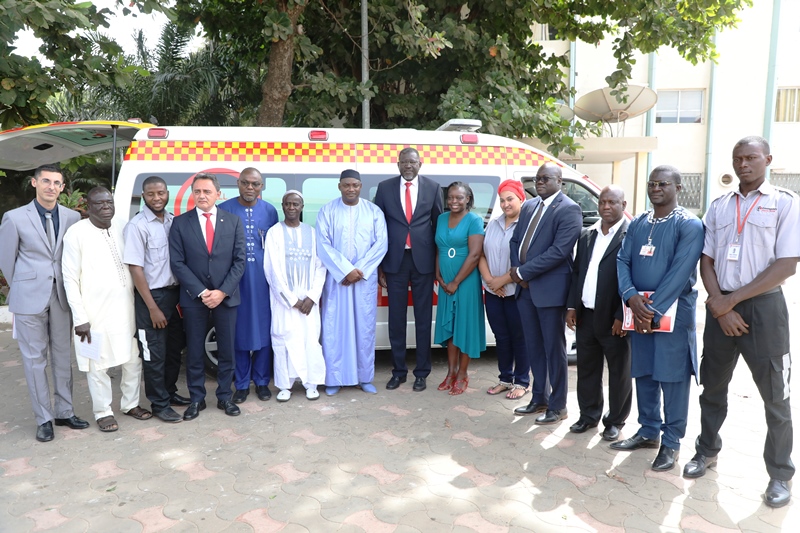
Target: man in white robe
[296, 277]
[99, 290]
[351, 242]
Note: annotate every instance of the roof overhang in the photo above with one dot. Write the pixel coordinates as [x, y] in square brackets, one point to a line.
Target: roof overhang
[601, 150]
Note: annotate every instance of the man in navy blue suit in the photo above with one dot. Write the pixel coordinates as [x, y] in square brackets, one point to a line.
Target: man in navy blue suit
[541, 265]
[411, 204]
[207, 255]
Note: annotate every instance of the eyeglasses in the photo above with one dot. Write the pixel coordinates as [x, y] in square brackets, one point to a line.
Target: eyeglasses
[659, 184]
[253, 184]
[543, 179]
[47, 183]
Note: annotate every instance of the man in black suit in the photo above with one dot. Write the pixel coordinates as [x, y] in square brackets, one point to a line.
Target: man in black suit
[594, 307]
[541, 265]
[207, 255]
[411, 204]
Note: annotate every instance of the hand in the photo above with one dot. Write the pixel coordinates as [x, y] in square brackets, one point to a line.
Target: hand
[641, 313]
[353, 277]
[719, 305]
[382, 278]
[84, 332]
[732, 324]
[523, 284]
[494, 284]
[572, 319]
[501, 292]
[616, 329]
[450, 288]
[212, 299]
[158, 318]
[306, 305]
[642, 327]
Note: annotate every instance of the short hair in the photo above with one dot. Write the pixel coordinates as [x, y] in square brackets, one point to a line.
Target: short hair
[670, 171]
[95, 191]
[407, 150]
[205, 176]
[47, 168]
[151, 180]
[754, 139]
[467, 189]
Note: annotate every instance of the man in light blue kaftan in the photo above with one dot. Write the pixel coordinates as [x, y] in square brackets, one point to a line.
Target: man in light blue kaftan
[252, 343]
[351, 242]
[660, 254]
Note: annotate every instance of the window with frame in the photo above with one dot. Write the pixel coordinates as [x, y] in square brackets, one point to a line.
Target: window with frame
[787, 105]
[680, 107]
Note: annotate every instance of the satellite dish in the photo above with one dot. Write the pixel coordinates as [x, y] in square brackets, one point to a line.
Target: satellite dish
[601, 105]
[564, 111]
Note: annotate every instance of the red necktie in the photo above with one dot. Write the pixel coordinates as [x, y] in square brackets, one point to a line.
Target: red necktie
[209, 232]
[408, 212]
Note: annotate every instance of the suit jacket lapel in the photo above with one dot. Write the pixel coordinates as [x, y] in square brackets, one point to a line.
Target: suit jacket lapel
[617, 239]
[547, 215]
[423, 202]
[194, 222]
[36, 221]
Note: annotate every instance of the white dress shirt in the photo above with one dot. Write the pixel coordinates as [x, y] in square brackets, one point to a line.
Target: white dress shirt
[601, 243]
[202, 219]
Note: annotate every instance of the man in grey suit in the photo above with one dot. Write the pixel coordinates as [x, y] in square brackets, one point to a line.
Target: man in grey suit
[31, 240]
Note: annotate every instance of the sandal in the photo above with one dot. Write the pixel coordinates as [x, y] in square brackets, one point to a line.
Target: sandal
[500, 387]
[107, 424]
[514, 393]
[139, 413]
[447, 384]
[456, 390]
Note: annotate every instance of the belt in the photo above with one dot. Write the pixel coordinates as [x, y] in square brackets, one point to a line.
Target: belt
[771, 291]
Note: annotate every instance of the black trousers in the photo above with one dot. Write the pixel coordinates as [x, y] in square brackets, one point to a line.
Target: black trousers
[765, 349]
[160, 349]
[593, 347]
[422, 294]
[196, 321]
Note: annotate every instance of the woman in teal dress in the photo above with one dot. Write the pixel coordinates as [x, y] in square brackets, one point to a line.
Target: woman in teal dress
[459, 312]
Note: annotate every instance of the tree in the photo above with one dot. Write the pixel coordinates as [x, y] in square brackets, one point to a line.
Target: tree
[443, 59]
[77, 58]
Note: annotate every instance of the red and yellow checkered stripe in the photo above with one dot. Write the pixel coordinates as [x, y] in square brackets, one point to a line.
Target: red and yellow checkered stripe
[309, 152]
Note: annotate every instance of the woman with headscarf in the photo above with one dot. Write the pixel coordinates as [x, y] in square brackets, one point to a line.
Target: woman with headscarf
[501, 307]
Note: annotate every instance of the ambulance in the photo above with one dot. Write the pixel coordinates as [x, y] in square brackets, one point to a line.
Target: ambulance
[306, 159]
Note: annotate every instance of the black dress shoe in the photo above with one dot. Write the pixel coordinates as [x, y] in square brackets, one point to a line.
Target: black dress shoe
[697, 466]
[44, 433]
[551, 417]
[419, 384]
[611, 433]
[581, 426]
[634, 443]
[177, 399]
[229, 407]
[395, 382]
[194, 410]
[531, 409]
[167, 415]
[778, 493]
[72, 422]
[665, 460]
[263, 392]
[240, 395]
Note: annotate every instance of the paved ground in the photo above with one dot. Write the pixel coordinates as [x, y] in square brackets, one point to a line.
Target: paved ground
[398, 461]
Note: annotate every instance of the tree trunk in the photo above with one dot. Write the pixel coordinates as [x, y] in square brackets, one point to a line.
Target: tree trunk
[277, 86]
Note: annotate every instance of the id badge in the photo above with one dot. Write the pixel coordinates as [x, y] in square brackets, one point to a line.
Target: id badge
[733, 252]
[647, 250]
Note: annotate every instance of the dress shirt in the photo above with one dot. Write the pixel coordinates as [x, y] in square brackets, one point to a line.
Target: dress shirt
[414, 190]
[202, 220]
[768, 234]
[147, 246]
[41, 210]
[496, 249]
[601, 243]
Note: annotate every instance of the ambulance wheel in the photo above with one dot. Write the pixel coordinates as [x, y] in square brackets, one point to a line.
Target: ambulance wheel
[211, 352]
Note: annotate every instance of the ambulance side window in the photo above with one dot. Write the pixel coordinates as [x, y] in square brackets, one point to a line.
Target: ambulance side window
[273, 192]
[317, 192]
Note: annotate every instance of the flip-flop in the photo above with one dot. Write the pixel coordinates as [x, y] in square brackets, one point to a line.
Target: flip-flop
[139, 413]
[514, 389]
[503, 387]
[107, 424]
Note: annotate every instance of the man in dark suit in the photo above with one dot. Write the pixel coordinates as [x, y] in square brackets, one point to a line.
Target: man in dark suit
[541, 265]
[207, 255]
[31, 243]
[594, 307]
[411, 204]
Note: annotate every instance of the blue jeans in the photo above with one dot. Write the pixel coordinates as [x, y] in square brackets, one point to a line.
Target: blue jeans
[512, 357]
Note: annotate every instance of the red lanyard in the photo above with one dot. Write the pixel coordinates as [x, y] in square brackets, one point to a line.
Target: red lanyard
[740, 224]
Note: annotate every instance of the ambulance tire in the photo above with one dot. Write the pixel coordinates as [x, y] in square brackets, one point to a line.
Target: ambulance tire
[211, 352]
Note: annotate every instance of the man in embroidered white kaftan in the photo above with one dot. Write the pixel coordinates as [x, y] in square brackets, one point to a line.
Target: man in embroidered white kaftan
[99, 290]
[351, 242]
[296, 276]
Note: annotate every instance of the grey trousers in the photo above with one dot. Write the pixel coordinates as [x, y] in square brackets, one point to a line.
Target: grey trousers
[47, 338]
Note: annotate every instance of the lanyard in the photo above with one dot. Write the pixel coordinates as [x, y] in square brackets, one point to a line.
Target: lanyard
[740, 223]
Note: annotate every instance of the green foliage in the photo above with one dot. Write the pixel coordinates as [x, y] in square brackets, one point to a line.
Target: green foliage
[73, 200]
[79, 57]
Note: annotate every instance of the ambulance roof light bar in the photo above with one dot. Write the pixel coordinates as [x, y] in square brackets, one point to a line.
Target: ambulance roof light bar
[157, 133]
[461, 124]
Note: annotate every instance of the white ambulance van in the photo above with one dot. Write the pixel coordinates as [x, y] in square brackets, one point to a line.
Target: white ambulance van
[308, 160]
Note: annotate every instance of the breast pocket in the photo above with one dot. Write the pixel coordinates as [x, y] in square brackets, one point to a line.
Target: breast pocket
[724, 230]
[763, 228]
[157, 250]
